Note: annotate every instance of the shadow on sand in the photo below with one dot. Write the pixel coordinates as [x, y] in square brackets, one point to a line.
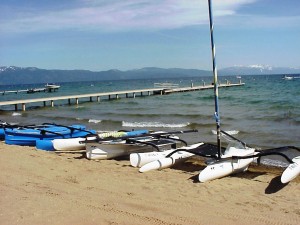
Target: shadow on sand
[275, 185]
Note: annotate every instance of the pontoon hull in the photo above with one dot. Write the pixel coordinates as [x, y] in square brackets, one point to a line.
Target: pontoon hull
[166, 162]
[292, 171]
[225, 167]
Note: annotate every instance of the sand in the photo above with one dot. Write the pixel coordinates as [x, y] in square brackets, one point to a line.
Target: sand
[38, 187]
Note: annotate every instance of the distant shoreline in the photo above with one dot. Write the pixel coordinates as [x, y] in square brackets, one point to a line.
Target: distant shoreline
[32, 75]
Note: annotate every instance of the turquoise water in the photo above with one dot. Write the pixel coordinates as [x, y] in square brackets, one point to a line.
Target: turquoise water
[265, 112]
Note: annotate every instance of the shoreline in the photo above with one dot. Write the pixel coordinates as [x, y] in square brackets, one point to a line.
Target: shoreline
[39, 187]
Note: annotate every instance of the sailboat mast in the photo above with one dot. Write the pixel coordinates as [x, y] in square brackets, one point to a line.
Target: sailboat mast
[215, 74]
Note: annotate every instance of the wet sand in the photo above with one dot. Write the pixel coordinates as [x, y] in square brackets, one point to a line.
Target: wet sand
[38, 187]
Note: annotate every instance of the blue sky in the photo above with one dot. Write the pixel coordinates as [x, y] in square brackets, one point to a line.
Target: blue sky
[130, 34]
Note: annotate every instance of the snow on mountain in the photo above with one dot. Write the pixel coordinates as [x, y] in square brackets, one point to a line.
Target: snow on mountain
[257, 69]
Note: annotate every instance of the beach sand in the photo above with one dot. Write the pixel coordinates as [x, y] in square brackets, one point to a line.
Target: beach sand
[38, 187]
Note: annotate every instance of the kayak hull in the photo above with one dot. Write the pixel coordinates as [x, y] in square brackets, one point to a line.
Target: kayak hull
[30, 136]
[111, 150]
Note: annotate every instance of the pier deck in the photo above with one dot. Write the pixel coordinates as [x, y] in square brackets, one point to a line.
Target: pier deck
[127, 93]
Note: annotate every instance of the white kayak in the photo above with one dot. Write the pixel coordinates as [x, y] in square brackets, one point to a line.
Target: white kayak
[292, 171]
[222, 168]
[166, 162]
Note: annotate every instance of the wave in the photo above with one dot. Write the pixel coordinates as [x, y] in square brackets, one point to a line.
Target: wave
[94, 121]
[16, 114]
[154, 124]
[195, 125]
[135, 114]
[272, 162]
[230, 132]
[191, 125]
[84, 120]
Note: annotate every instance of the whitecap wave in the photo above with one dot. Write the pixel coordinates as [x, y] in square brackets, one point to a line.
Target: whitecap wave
[153, 124]
[273, 162]
[16, 114]
[230, 132]
[94, 121]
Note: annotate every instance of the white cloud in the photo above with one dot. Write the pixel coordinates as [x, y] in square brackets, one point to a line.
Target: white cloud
[118, 15]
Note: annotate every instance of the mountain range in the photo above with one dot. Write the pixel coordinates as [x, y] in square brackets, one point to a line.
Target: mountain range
[31, 75]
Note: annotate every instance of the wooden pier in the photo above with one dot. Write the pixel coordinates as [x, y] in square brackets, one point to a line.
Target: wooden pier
[110, 95]
[48, 88]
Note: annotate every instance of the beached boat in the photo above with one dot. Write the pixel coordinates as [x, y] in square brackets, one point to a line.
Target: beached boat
[74, 144]
[220, 168]
[237, 159]
[5, 125]
[123, 147]
[234, 159]
[237, 156]
[28, 136]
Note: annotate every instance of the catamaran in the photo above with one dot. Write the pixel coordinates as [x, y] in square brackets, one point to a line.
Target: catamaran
[235, 158]
[111, 148]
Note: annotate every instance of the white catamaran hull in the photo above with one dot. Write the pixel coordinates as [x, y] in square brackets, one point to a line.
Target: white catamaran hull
[223, 168]
[112, 150]
[68, 144]
[292, 171]
[166, 162]
[140, 159]
[75, 143]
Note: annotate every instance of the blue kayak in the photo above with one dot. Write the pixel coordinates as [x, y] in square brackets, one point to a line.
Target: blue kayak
[2, 133]
[47, 145]
[29, 136]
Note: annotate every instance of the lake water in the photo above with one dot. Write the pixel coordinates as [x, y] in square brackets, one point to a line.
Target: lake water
[265, 112]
